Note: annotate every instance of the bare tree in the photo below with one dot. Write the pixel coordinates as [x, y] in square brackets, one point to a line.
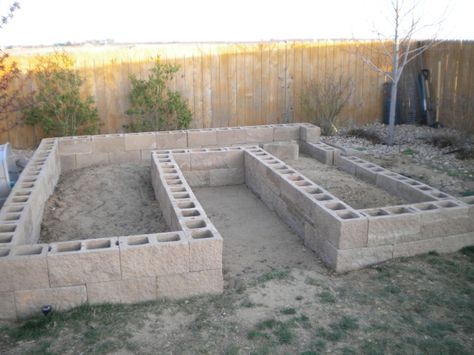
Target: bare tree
[400, 48]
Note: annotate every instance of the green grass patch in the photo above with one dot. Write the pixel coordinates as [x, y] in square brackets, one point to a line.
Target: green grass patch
[327, 297]
[288, 311]
[276, 274]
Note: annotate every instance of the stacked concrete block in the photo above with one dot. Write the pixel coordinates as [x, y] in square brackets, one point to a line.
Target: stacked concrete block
[309, 133]
[171, 140]
[231, 136]
[321, 151]
[286, 132]
[199, 138]
[283, 150]
[259, 134]
[22, 213]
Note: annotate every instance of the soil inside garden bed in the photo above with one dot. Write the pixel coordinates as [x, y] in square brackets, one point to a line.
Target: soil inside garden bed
[103, 201]
[351, 190]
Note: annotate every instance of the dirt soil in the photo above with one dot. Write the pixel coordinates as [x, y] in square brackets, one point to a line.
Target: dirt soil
[278, 297]
[355, 192]
[103, 201]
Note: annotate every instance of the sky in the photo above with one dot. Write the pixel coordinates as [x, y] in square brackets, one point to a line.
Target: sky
[47, 22]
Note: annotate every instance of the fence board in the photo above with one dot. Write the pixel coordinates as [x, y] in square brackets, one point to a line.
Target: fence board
[249, 83]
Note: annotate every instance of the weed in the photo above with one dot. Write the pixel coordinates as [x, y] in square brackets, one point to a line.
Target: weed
[303, 321]
[327, 297]
[254, 334]
[232, 349]
[274, 275]
[312, 281]
[469, 252]
[409, 152]
[267, 324]
[283, 333]
[299, 298]
[247, 303]
[330, 334]
[468, 193]
[347, 323]
[288, 311]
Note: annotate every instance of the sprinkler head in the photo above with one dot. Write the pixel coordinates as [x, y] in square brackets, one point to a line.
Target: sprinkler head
[46, 309]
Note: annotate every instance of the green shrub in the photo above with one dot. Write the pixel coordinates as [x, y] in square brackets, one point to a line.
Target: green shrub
[154, 107]
[56, 105]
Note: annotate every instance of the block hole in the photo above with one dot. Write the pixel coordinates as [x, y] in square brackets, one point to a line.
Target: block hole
[27, 185]
[4, 252]
[170, 171]
[322, 197]
[23, 193]
[68, 247]
[427, 207]
[302, 183]
[179, 151]
[178, 189]
[377, 170]
[184, 205]
[425, 188]
[167, 238]
[447, 204]
[28, 250]
[399, 210]
[335, 206]
[6, 238]
[15, 209]
[7, 228]
[376, 213]
[20, 199]
[190, 213]
[194, 224]
[175, 182]
[439, 195]
[98, 244]
[347, 215]
[12, 216]
[202, 234]
[138, 240]
[313, 190]
[164, 160]
[295, 178]
[181, 196]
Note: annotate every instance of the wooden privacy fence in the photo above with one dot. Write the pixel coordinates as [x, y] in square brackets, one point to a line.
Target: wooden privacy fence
[251, 83]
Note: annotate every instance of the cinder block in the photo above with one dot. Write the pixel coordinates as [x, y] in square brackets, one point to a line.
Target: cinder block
[309, 133]
[29, 302]
[123, 291]
[24, 267]
[387, 181]
[230, 136]
[138, 141]
[108, 143]
[125, 157]
[68, 162]
[75, 145]
[171, 140]
[319, 244]
[198, 178]
[319, 151]
[225, 177]
[7, 306]
[258, 134]
[343, 227]
[366, 172]
[283, 150]
[154, 254]
[205, 249]
[190, 284]
[78, 262]
[216, 159]
[286, 132]
[448, 218]
[393, 225]
[469, 201]
[353, 259]
[183, 160]
[198, 138]
[449, 244]
[86, 160]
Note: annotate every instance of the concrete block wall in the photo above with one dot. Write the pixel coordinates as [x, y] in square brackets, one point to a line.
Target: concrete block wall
[107, 270]
[22, 213]
[348, 239]
[84, 151]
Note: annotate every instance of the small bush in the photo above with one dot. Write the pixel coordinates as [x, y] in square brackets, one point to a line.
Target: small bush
[323, 100]
[57, 105]
[154, 107]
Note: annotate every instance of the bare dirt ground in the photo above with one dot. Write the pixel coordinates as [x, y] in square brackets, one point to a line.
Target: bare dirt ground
[278, 299]
[355, 192]
[103, 201]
